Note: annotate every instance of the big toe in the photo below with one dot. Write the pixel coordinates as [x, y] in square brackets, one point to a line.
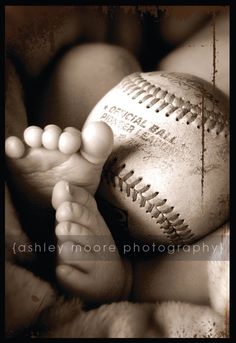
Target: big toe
[97, 142]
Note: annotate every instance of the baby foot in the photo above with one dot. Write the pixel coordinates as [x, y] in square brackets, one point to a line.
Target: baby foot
[48, 155]
[89, 264]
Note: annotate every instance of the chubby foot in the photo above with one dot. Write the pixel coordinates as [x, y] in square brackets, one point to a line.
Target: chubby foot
[48, 155]
[89, 264]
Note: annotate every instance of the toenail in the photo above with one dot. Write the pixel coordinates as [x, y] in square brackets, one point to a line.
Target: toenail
[68, 188]
[72, 130]
[53, 127]
[67, 227]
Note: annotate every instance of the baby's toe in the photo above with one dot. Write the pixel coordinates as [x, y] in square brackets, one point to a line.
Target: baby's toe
[69, 141]
[97, 142]
[74, 212]
[50, 137]
[14, 147]
[64, 191]
[72, 231]
[33, 136]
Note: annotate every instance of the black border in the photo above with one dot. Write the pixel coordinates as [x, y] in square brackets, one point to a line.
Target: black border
[232, 133]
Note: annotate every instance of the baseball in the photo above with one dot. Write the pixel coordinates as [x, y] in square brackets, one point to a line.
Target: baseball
[169, 169]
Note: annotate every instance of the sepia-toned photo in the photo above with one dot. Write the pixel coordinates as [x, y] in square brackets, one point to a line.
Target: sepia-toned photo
[117, 171]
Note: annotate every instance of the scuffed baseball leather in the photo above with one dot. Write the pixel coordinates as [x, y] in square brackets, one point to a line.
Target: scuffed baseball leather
[168, 172]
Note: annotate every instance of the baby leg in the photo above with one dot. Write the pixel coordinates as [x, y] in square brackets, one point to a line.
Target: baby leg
[80, 79]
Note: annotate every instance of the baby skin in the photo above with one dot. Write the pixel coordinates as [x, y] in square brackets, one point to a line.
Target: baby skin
[89, 264]
[46, 156]
[64, 168]
[68, 176]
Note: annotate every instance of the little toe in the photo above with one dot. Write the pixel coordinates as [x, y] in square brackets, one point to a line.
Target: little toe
[97, 142]
[50, 137]
[33, 136]
[65, 191]
[14, 147]
[69, 141]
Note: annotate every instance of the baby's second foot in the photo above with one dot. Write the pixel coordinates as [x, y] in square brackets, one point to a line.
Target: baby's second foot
[49, 155]
[89, 264]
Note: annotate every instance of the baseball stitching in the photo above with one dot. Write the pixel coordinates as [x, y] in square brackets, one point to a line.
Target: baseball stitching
[174, 227]
[170, 222]
[170, 104]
